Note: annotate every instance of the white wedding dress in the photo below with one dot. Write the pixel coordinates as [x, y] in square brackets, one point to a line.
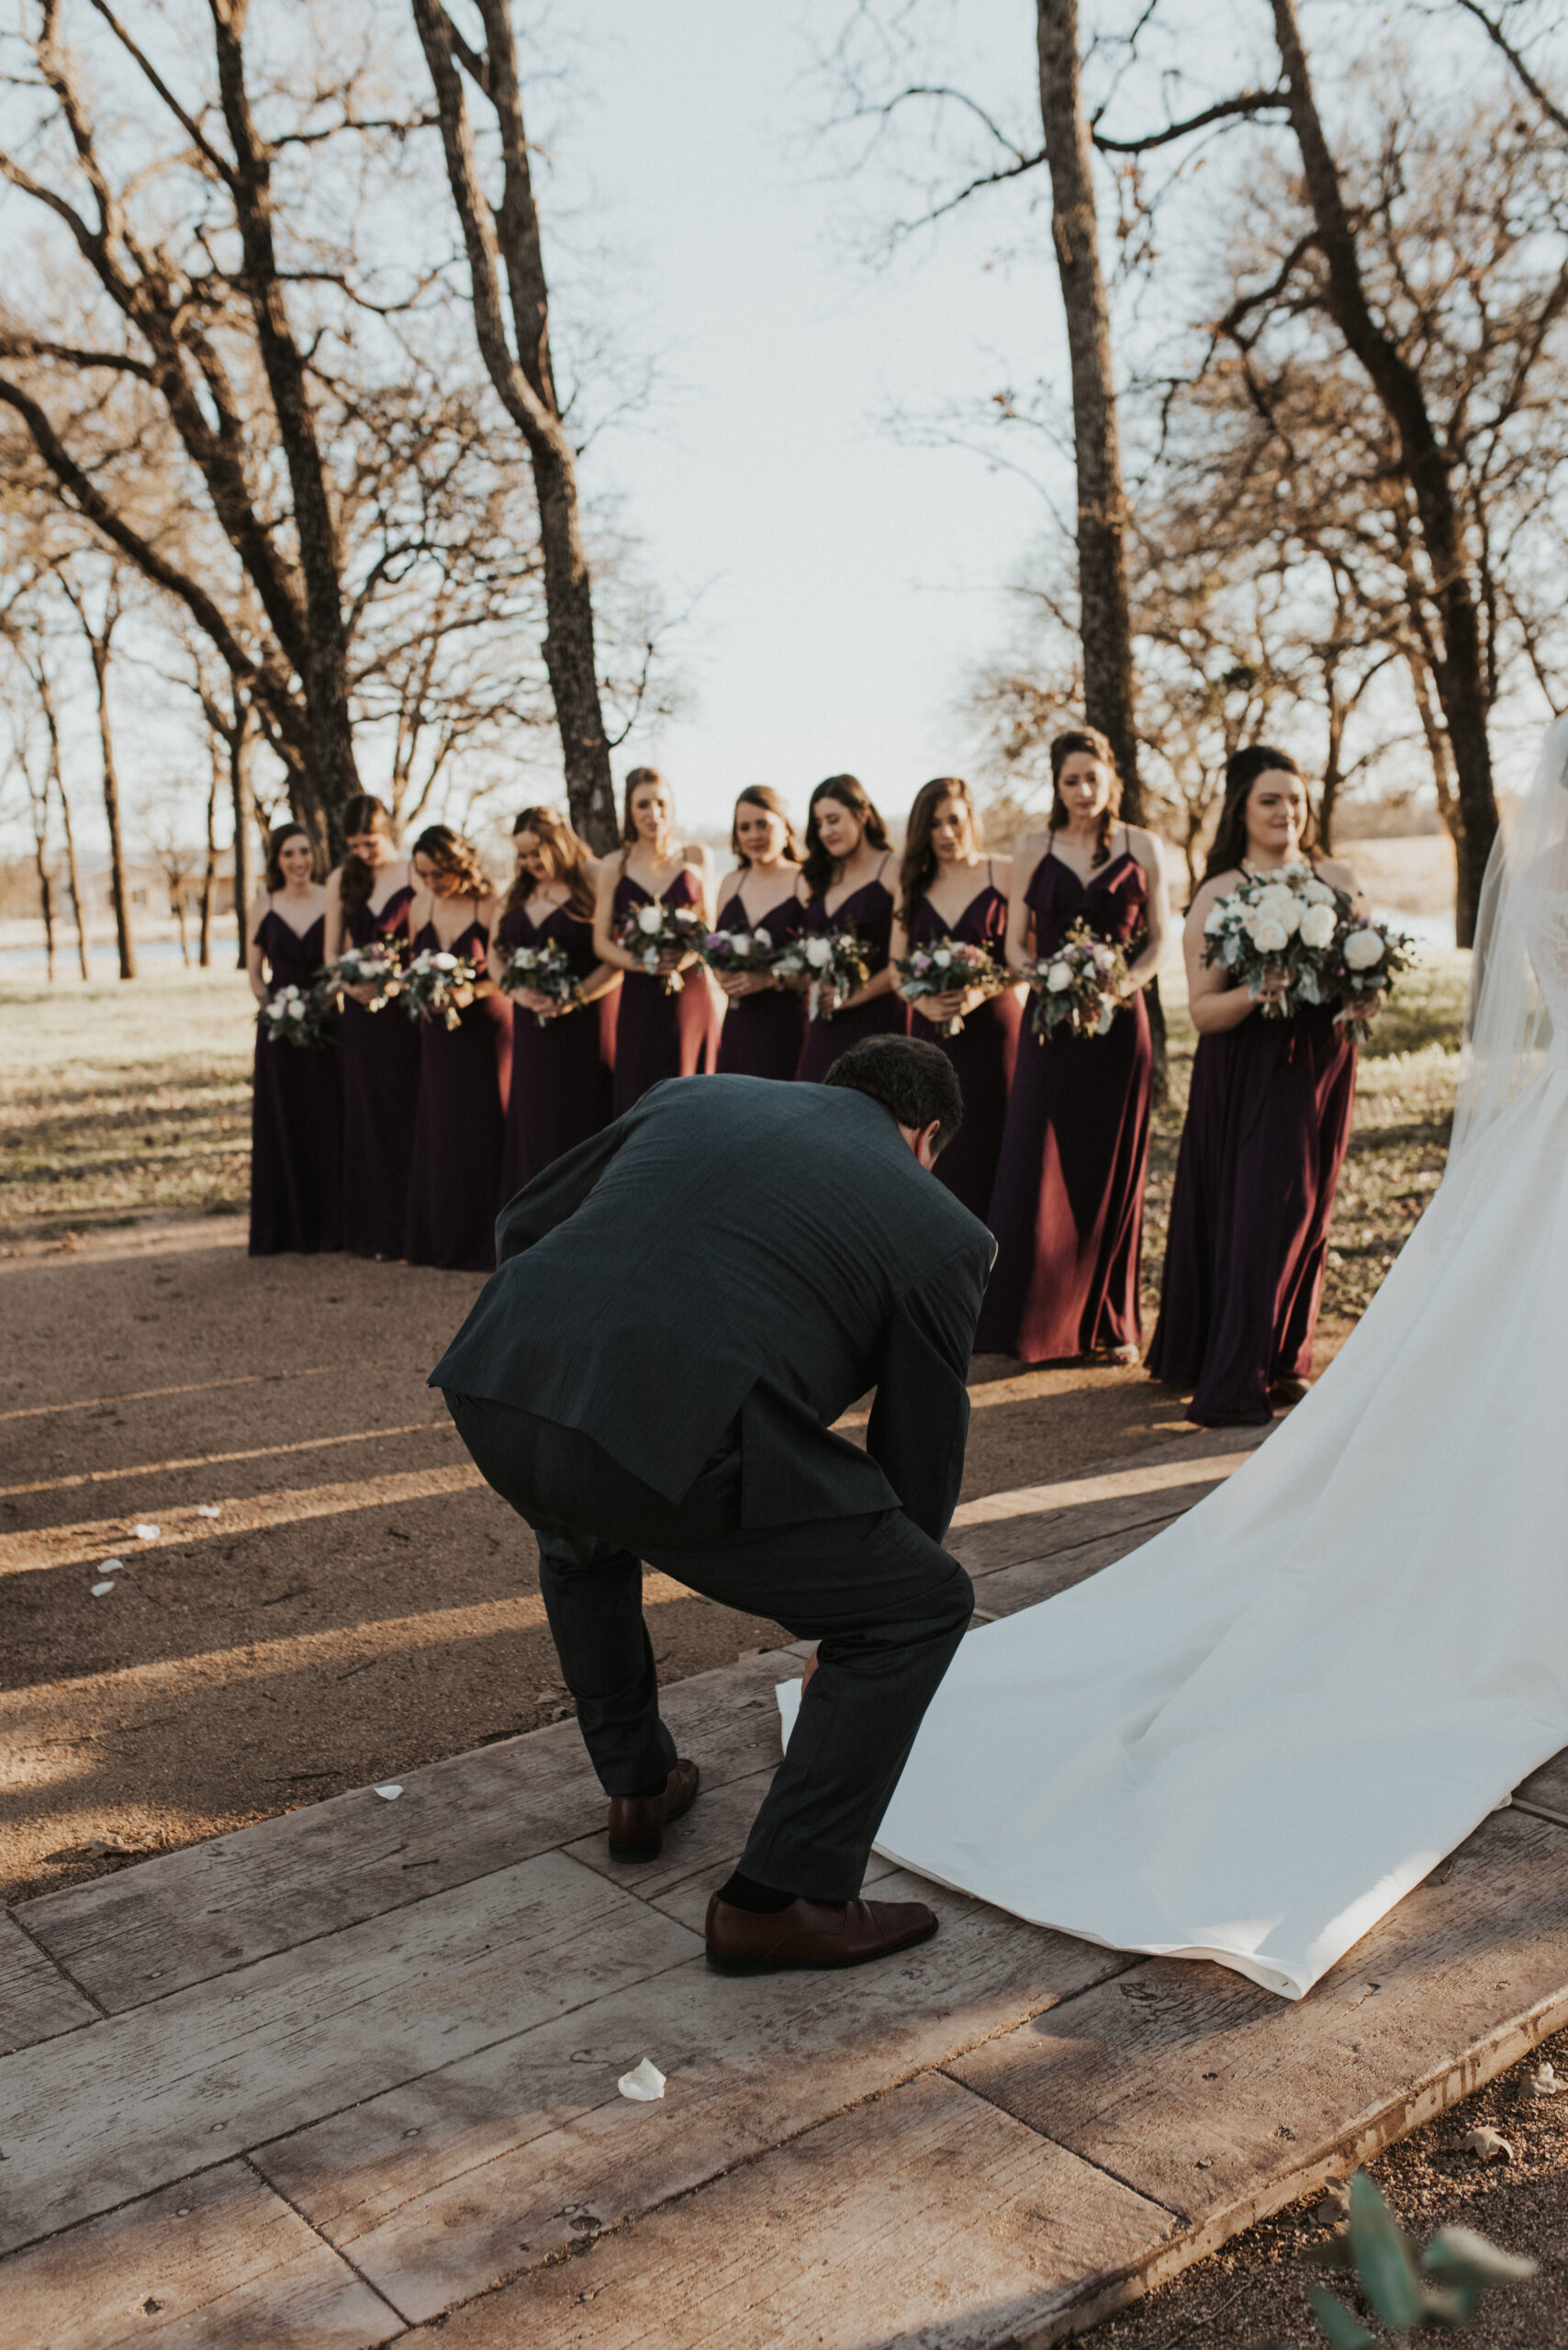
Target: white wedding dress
[1246, 1740]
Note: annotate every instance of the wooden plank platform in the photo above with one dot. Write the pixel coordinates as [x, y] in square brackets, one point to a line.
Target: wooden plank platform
[354, 2068]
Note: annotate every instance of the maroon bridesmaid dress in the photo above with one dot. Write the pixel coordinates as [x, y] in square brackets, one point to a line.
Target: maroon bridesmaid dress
[658, 1035]
[871, 910]
[562, 1073]
[763, 1034]
[1268, 1121]
[455, 1188]
[1066, 1208]
[381, 1089]
[982, 1053]
[297, 1115]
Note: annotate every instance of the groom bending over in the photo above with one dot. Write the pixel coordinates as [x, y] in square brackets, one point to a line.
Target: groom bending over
[683, 1306]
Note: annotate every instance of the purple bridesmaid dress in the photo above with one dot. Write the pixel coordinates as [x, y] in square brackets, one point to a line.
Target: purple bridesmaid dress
[562, 1073]
[1066, 1208]
[381, 1088]
[763, 1034]
[871, 910]
[982, 1053]
[297, 1115]
[455, 1188]
[658, 1035]
[1268, 1121]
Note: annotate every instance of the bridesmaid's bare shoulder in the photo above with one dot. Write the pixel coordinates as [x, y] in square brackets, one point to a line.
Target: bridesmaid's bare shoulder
[1339, 875]
[1145, 845]
[1028, 849]
[1205, 894]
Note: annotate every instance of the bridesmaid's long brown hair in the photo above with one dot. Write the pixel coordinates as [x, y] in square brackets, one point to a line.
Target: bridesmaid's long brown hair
[362, 813]
[450, 853]
[918, 870]
[851, 793]
[565, 860]
[762, 795]
[1088, 741]
[275, 839]
[1243, 770]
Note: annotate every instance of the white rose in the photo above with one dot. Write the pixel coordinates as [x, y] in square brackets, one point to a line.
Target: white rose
[1282, 906]
[942, 956]
[444, 962]
[649, 918]
[1218, 915]
[297, 1010]
[1317, 925]
[1362, 949]
[819, 951]
[1270, 937]
[1104, 957]
[1316, 892]
[1058, 977]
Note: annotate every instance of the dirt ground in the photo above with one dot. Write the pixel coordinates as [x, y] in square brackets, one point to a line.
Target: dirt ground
[353, 1603]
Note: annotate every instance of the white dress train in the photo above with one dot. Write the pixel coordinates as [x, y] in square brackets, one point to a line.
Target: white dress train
[1248, 1740]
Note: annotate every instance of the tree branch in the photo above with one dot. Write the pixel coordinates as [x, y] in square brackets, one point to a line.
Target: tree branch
[1246, 103]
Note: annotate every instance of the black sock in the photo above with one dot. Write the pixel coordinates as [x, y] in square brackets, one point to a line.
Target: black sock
[743, 1892]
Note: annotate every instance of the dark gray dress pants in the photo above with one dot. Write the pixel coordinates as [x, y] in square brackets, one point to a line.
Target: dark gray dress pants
[886, 1604]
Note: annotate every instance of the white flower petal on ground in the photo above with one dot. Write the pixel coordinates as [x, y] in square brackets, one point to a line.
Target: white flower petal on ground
[147, 1533]
[1488, 2144]
[111, 1566]
[642, 2084]
[209, 1509]
[100, 1588]
[389, 1793]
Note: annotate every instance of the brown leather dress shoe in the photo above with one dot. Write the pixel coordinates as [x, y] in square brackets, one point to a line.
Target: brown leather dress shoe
[812, 1934]
[637, 1823]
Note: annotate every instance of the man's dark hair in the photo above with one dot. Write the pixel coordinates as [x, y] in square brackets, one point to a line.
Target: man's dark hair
[914, 1080]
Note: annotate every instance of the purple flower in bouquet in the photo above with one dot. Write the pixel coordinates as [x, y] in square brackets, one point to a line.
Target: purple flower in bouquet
[949, 967]
[733, 952]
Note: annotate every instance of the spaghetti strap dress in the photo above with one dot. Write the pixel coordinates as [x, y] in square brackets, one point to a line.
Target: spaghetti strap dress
[381, 1088]
[982, 1053]
[454, 1188]
[660, 1035]
[1267, 1122]
[869, 911]
[296, 1114]
[763, 1034]
[1067, 1207]
[561, 1073]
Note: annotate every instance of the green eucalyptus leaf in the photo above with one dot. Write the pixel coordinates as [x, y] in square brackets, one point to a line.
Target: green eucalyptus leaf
[1381, 2255]
[1460, 2256]
[1342, 2330]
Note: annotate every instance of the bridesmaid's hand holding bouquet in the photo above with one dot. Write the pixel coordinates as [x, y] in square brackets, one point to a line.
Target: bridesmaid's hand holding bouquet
[951, 967]
[660, 938]
[1080, 987]
[544, 971]
[1291, 938]
[372, 974]
[436, 982]
[294, 1015]
[828, 965]
[741, 960]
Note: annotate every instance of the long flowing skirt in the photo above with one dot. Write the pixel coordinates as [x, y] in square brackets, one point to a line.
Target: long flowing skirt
[1249, 1740]
[455, 1190]
[983, 1054]
[381, 1092]
[659, 1035]
[561, 1082]
[296, 1148]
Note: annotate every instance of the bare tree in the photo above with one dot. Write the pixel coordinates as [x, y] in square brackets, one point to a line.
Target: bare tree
[99, 634]
[24, 635]
[500, 241]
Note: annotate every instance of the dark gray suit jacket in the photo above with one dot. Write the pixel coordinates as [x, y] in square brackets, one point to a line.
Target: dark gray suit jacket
[737, 1249]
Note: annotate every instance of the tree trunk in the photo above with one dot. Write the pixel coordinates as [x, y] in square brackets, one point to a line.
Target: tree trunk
[118, 892]
[209, 866]
[177, 900]
[46, 887]
[240, 801]
[510, 238]
[57, 776]
[1459, 673]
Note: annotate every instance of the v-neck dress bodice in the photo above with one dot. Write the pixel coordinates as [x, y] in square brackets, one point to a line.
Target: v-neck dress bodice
[297, 1113]
[868, 912]
[1067, 1205]
[763, 1034]
[562, 1073]
[657, 1034]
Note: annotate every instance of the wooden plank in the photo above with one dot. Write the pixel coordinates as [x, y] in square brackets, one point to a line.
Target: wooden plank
[138, 2100]
[499, 2163]
[36, 2000]
[1028, 1582]
[1549, 1786]
[1031, 1520]
[216, 2259]
[1223, 2102]
[924, 2219]
[190, 1915]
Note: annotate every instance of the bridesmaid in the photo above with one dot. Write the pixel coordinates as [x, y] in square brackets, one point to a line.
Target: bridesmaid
[1268, 1121]
[455, 1190]
[296, 1107]
[848, 858]
[1067, 1209]
[947, 888]
[658, 1034]
[561, 1074]
[368, 899]
[765, 1024]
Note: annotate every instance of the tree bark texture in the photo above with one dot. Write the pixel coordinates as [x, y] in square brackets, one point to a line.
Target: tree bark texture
[123, 938]
[1458, 671]
[506, 242]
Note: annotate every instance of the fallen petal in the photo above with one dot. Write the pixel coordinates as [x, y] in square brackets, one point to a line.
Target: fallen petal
[147, 1533]
[1488, 2144]
[389, 1793]
[644, 2084]
[99, 1589]
[111, 1566]
[209, 1509]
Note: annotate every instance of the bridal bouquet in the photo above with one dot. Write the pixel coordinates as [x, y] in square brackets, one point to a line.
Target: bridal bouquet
[949, 967]
[733, 952]
[377, 965]
[654, 929]
[294, 1015]
[1365, 960]
[832, 963]
[432, 982]
[1297, 928]
[546, 969]
[1080, 986]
